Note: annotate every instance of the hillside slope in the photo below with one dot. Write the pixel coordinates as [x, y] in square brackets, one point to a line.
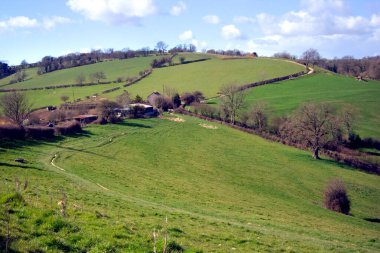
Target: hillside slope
[284, 97]
[209, 76]
[220, 189]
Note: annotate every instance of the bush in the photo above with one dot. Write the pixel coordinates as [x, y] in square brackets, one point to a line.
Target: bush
[11, 132]
[174, 247]
[336, 198]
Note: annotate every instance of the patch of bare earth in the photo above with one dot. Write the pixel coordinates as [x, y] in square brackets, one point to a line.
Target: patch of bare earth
[208, 126]
[174, 119]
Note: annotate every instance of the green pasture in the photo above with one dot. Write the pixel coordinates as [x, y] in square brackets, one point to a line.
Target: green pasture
[284, 97]
[113, 69]
[221, 190]
[209, 76]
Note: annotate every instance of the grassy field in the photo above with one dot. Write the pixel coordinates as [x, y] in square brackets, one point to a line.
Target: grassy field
[209, 76]
[284, 97]
[241, 193]
[112, 69]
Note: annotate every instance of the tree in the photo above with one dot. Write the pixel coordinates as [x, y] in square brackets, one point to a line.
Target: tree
[257, 116]
[311, 56]
[98, 76]
[16, 106]
[64, 98]
[138, 99]
[161, 47]
[232, 100]
[81, 78]
[106, 111]
[20, 75]
[176, 100]
[124, 99]
[316, 125]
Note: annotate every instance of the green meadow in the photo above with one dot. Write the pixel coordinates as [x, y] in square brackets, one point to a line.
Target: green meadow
[112, 69]
[221, 190]
[209, 76]
[284, 97]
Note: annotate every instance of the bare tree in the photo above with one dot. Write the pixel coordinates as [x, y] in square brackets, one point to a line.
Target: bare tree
[232, 100]
[106, 111]
[311, 56]
[81, 78]
[316, 125]
[124, 99]
[64, 98]
[161, 47]
[98, 76]
[16, 106]
[257, 116]
[21, 75]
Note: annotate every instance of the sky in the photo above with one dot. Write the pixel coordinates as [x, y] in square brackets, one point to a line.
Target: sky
[30, 30]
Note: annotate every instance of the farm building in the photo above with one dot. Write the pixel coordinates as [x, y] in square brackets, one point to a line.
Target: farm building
[152, 97]
[138, 108]
[85, 119]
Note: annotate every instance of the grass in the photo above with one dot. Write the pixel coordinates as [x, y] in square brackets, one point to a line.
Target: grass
[112, 69]
[286, 96]
[209, 76]
[241, 192]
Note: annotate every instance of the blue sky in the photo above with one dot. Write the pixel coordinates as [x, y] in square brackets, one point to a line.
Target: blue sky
[33, 29]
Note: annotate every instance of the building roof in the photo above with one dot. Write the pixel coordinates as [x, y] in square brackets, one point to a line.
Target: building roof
[141, 105]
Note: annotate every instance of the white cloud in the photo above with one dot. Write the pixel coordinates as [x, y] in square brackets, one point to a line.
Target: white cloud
[186, 35]
[18, 22]
[244, 20]
[51, 22]
[323, 6]
[177, 9]
[26, 22]
[113, 11]
[200, 45]
[230, 32]
[211, 19]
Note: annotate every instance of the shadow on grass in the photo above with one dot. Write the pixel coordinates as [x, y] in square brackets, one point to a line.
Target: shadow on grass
[374, 220]
[133, 124]
[19, 166]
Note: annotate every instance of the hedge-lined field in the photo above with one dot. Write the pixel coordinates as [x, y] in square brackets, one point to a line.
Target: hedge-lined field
[284, 97]
[209, 76]
[241, 193]
[112, 69]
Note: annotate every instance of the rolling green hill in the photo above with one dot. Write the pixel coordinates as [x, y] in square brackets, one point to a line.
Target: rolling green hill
[286, 96]
[221, 190]
[112, 69]
[209, 76]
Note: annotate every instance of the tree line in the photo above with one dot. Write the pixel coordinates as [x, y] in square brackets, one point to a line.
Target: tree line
[367, 67]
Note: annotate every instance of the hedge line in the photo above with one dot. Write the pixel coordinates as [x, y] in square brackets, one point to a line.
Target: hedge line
[12, 132]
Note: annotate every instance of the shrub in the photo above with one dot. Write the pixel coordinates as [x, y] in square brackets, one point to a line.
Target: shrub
[163, 103]
[57, 116]
[336, 198]
[188, 98]
[106, 111]
[174, 247]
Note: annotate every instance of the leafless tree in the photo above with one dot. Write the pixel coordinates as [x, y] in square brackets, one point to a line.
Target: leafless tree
[232, 100]
[124, 99]
[257, 116]
[311, 56]
[106, 111]
[64, 98]
[161, 47]
[20, 75]
[98, 76]
[316, 125]
[81, 78]
[16, 106]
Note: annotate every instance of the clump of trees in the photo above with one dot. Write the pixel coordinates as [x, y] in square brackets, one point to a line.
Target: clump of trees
[336, 197]
[5, 70]
[157, 63]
